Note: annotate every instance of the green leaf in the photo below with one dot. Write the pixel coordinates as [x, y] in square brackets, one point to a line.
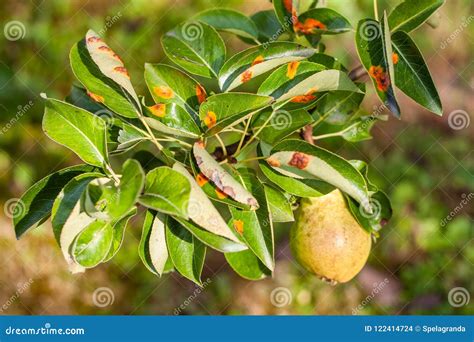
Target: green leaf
[280, 207]
[297, 82]
[221, 178]
[78, 97]
[257, 60]
[223, 19]
[359, 130]
[255, 227]
[201, 210]
[186, 251]
[196, 47]
[170, 85]
[109, 63]
[119, 233]
[77, 129]
[67, 200]
[36, 203]
[247, 265]
[92, 245]
[301, 159]
[381, 212]
[152, 249]
[410, 14]
[374, 49]
[412, 75]
[167, 191]
[171, 119]
[285, 11]
[124, 197]
[222, 110]
[127, 137]
[268, 26]
[329, 62]
[275, 125]
[100, 88]
[217, 242]
[319, 21]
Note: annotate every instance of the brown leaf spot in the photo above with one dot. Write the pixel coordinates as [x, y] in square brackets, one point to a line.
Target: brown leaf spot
[201, 180]
[210, 119]
[95, 97]
[308, 97]
[238, 226]
[220, 194]
[158, 110]
[200, 93]
[246, 76]
[299, 160]
[380, 76]
[259, 59]
[94, 39]
[395, 58]
[117, 57]
[104, 48]
[292, 69]
[164, 92]
[122, 70]
[273, 162]
[288, 4]
[309, 26]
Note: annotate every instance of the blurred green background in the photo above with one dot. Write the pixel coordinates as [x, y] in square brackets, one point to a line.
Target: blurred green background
[418, 264]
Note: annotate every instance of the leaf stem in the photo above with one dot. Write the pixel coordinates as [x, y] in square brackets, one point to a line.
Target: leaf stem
[258, 131]
[251, 159]
[224, 149]
[243, 136]
[113, 174]
[376, 10]
[150, 133]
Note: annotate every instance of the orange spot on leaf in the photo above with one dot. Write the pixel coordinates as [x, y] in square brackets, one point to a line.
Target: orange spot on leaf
[395, 58]
[95, 97]
[309, 26]
[259, 59]
[164, 92]
[292, 69]
[246, 76]
[210, 119]
[273, 162]
[380, 76]
[200, 93]
[201, 180]
[104, 48]
[238, 226]
[122, 70]
[299, 160]
[308, 97]
[94, 39]
[158, 110]
[220, 194]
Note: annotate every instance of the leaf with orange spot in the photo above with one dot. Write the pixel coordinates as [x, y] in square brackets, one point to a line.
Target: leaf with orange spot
[158, 110]
[238, 226]
[220, 194]
[163, 92]
[170, 118]
[292, 69]
[200, 93]
[321, 21]
[210, 119]
[95, 97]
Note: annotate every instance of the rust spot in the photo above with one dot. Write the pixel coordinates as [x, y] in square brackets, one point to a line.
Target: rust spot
[117, 57]
[122, 70]
[220, 194]
[238, 226]
[380, 77]
[94, 39]
[292, 69]
[246, 76]
[210, 119]
[309, 26]
[200, 93]
[288, 4]
[259, 59]
[95, 97]
[201, 180]
[201, 144]
[104, 48]
[158, 110]
[273, 162]
[299, 160]
[164, 92]
[395, 58]
[308, 97]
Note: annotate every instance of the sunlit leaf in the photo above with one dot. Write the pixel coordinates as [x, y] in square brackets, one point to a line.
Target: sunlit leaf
[410, 14]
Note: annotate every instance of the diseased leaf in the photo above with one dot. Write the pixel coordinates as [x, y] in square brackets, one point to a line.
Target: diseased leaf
[152, 249]
[412, 75]
[223, 19]
[255, 227]
[36, 203]
[93, 243]
[319, 21]
[280, 207]
[247, 265]
[222, 110]
[374, 48]
[410, 14]
[196, 47]
[77, 129]
[257, 60]
[109, 63]
[221, 178]
[200, 209]
[329, 62]
[167, 191]
[303, 160]
[185, 250]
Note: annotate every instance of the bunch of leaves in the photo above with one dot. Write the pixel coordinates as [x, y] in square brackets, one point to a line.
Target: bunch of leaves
[226, 166]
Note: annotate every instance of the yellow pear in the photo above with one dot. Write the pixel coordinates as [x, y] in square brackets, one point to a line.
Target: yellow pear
[327, 240]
